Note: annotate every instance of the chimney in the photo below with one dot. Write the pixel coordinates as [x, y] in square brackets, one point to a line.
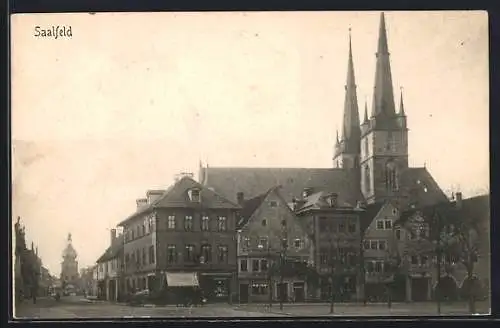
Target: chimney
[141, 202]
[458, 202]
[307, 192]
[113, 237]
[240, 196]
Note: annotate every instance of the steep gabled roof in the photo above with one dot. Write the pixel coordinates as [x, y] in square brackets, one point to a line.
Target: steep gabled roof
[113, 251]
[472, 208]
[369, 214]
[250, 206]
[421, 188]
[177, 196]
[228, 181]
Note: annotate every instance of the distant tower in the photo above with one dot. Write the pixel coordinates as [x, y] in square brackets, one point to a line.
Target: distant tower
[347, 149]
[384, 135]
[69, 265]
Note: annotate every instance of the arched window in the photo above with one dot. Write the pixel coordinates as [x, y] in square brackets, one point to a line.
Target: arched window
[388, 145]
[366, 147]
[391, 176]
[367, 178]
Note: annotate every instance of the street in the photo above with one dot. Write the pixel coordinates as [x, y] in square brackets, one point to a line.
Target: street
[76, 307]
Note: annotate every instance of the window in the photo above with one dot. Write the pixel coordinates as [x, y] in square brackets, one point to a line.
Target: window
[366, 147]
[205, 223]
[366, 244]
[132, 258]
[243, 265]
[273, 203]
[323, 256]
[259, 289]
[138, 256]
[388, 224]
[424, 260]
[367, 179]
[263, 242]
[151, 254]
[414, 260]
[138, 232]
[206, 253]
[342, 226]
[263, 265]
[171, 254]
[382, 245]
[380, 224]
[144, 258]
[373, 244]
[194, 195]
[188, 223]
[391, 176]
[222, 254]
[222, 223]
[264, 222]
[143, 229]
[189, 253]
[283, 223]
[127, 259]
[388, 145]
[352, 227]
[378, 266]
[398, 234]
[246, 242]
[297, 243]
[369, 267]
[255, 265]
[171, 222]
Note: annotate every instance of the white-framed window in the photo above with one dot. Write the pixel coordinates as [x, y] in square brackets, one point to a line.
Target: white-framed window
[374, 244]
[380, 224]
[243, 265]
[263, 242]
[222, 223]
[388, 224]
[298, 243]
[273, 203]
[171, 222]
[188, 223]
[246, 242]
[205, 223]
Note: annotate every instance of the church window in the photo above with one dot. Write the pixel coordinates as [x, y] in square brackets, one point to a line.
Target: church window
[366, 147]
[367, 178]
[391, 176]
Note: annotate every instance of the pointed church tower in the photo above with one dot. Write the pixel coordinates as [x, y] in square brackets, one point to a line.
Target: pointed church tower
[348, 147]
[384, 136]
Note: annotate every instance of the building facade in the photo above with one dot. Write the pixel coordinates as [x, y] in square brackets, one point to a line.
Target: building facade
[186, 230]
[335, 226]
[271, 238]
[110, 280]
[370, 167]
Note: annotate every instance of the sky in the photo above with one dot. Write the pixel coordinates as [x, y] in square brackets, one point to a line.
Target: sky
[131, 99]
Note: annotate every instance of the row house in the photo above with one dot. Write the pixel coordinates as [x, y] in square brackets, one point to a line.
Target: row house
[461, 228]
[183, 236]
[110, 269]
[335, 227]
[271, 241]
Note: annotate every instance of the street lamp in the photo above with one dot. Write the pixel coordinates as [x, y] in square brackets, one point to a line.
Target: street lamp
[269, 277]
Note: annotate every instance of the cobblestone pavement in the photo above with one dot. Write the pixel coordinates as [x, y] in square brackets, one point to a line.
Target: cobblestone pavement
[371, 309]
[71, 308]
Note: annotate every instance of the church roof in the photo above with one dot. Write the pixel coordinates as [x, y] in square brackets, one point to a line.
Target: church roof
[420, 188]
[176, 196]
[250, 206]
[228, 181]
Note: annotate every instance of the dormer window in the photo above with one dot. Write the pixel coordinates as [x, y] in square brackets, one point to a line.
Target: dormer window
[332, 200]
[194, 195]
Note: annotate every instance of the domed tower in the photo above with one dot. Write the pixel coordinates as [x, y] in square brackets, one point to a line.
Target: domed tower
[69, 265]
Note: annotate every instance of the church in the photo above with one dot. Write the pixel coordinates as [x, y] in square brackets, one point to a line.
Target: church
[369, 170]
[370, 158]
[69, 267]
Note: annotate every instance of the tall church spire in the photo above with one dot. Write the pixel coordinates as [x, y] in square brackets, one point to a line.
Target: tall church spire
[383, 96]
[351, 132]
[401, 104]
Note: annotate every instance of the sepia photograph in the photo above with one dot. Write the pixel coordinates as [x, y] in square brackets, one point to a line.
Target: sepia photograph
[250, 164]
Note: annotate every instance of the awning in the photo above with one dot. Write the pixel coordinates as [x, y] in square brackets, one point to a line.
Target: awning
[182, 279]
